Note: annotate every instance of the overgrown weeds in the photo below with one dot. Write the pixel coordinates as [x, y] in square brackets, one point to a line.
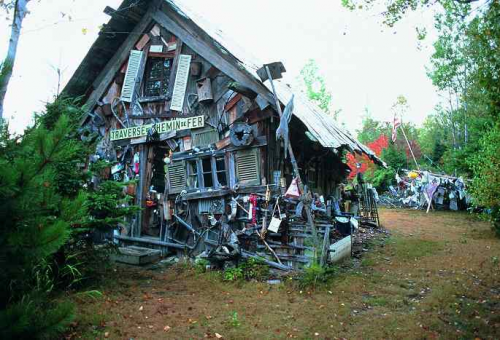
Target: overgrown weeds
[251, 269]
[316, 276]
[235, 321]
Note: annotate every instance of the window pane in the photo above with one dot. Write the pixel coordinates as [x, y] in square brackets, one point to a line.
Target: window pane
[192, 175]
[191, 166]
[221, 164]
[221, 171]
[206, 169]
[207, 178]
[193, 181]
[206, 165]
[222, 178]
[157, 76]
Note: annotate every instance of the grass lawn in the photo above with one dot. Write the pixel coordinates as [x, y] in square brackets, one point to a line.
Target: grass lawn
[437, 276]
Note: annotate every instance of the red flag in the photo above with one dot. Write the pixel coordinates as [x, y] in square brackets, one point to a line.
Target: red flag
[396, 124]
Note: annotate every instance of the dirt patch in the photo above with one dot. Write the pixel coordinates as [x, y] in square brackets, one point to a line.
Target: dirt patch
[436, 277]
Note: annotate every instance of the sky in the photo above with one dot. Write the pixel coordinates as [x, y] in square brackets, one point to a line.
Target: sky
[365, 64]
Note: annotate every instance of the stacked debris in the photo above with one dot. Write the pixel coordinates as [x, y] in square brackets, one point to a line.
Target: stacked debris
[426, 190]
[276, 230]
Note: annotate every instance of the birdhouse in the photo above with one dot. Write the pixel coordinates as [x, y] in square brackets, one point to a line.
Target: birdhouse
[204, 88]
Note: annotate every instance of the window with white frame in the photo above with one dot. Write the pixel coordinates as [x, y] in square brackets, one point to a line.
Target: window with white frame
[206, 172]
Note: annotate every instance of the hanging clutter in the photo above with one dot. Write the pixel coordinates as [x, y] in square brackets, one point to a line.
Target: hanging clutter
[196, 133]
[425, 190]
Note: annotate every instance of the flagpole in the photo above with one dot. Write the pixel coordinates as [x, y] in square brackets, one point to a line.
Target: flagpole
[409, 146]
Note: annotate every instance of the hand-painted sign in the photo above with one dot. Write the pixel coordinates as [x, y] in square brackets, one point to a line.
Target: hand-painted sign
[176, 124]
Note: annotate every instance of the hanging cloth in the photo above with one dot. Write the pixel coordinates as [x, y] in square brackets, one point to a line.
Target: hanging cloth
[293, 190]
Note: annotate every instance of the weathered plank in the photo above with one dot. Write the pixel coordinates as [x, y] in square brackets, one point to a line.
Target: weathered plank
[149, 241]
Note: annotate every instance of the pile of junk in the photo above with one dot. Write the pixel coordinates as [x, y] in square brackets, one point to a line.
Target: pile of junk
[426, 190]
[280, 231]
[280, 226]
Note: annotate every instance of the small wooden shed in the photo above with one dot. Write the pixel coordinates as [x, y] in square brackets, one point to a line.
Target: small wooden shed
[177, 106]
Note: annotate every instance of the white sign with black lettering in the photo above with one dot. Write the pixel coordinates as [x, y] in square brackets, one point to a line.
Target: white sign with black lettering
[176, 124]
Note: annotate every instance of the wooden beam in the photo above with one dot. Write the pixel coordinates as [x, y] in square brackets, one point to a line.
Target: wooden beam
[149, 241]
[205, 194]
[236, 87]
[258, 142]
[232, 102]
[109, 11]
[167, 55]
[209, 53]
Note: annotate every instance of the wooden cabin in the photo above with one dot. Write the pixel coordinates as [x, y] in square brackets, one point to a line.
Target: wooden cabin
[176, 106]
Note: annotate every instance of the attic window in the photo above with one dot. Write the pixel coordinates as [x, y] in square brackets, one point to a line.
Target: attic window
[157, 76]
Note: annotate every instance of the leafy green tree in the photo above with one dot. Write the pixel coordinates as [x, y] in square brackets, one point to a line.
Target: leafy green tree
[433, 142]
[395, 158]
[465, 68]
[395, 155]
[371, 129]
[315, 87]
[394, 11]
[486, 167]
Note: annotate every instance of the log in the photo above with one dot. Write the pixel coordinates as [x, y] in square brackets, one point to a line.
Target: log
[239, 88]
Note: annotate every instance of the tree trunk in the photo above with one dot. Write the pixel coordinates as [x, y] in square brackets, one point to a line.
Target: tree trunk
[8, 64]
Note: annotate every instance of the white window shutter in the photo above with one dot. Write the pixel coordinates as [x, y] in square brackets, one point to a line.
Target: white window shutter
[176, 175]
[180, 84]
[132, 76]
[247, 167]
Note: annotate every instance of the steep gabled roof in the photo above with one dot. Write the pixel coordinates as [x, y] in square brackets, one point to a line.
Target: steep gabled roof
[322, 126]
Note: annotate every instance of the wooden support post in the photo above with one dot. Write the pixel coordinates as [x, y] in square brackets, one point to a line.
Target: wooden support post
[145, 155]
[146, 213]
[136, 231]
[326, 245]
[304, 195]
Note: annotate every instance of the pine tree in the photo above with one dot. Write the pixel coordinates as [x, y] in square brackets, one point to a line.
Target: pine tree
[48, 214]
[36, 223]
